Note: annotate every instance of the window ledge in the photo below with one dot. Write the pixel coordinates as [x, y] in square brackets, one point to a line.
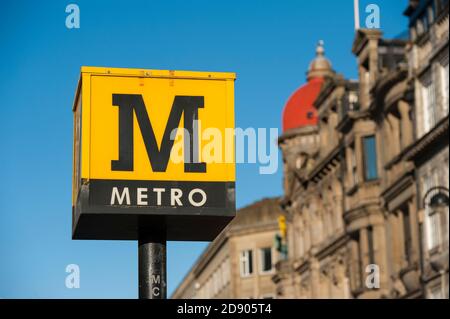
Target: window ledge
[352, 190]
[267, 273]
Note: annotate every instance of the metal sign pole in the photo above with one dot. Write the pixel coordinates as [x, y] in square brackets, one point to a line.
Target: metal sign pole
[152, 267]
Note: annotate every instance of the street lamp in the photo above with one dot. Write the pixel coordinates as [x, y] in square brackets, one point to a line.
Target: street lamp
[437, 199]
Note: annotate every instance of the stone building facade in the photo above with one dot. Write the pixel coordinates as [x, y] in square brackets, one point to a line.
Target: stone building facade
[360, 158]
[428, 74]
[356, 173]
[239, 263]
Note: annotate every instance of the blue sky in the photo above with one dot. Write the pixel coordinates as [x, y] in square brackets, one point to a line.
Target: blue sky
[269, 44]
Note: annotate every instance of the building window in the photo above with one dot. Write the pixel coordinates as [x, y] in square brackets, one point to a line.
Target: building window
[371, 246]
[266, 260]
[425, 23]
[354, 165]
[356, 264]
[365, 87]
[413, 33]
[419, 27]
[353, 101]
[407, 234]
[246, 263]
[433, 220]
[431, 13]
[435, 230]
[441, 4]
[370, 158]
[429, 106]
[445, 88]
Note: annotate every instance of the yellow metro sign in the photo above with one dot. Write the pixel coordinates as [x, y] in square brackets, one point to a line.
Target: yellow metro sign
[140, 158]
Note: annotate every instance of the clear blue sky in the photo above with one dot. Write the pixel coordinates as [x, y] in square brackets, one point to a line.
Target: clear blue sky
[269, 44]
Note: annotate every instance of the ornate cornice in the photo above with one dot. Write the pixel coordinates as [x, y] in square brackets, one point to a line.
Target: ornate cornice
[362, 37]
[384, 86]
[330, 247]
[324, 165]
[425, 144]
[402, 183]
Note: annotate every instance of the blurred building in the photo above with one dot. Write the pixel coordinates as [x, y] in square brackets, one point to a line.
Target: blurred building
[239, 263]
[366, 178]
[428, 75]
[313, 201]
[359, 159]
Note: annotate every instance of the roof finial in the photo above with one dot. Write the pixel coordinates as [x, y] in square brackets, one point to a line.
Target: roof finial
[320, 66]
[320, 50]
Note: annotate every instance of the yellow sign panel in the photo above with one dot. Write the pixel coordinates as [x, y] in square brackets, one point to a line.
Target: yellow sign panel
[144, 134]
[101, 138]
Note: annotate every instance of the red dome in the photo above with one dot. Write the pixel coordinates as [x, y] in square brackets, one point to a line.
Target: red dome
[299, 110]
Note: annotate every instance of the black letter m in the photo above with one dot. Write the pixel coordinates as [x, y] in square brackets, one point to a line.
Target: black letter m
[159, 157]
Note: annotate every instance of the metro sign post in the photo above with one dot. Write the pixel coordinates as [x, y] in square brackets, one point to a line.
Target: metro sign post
[131, 128]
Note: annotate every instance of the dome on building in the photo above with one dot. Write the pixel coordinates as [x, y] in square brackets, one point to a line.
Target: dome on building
[299, 110]
[320, 66]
